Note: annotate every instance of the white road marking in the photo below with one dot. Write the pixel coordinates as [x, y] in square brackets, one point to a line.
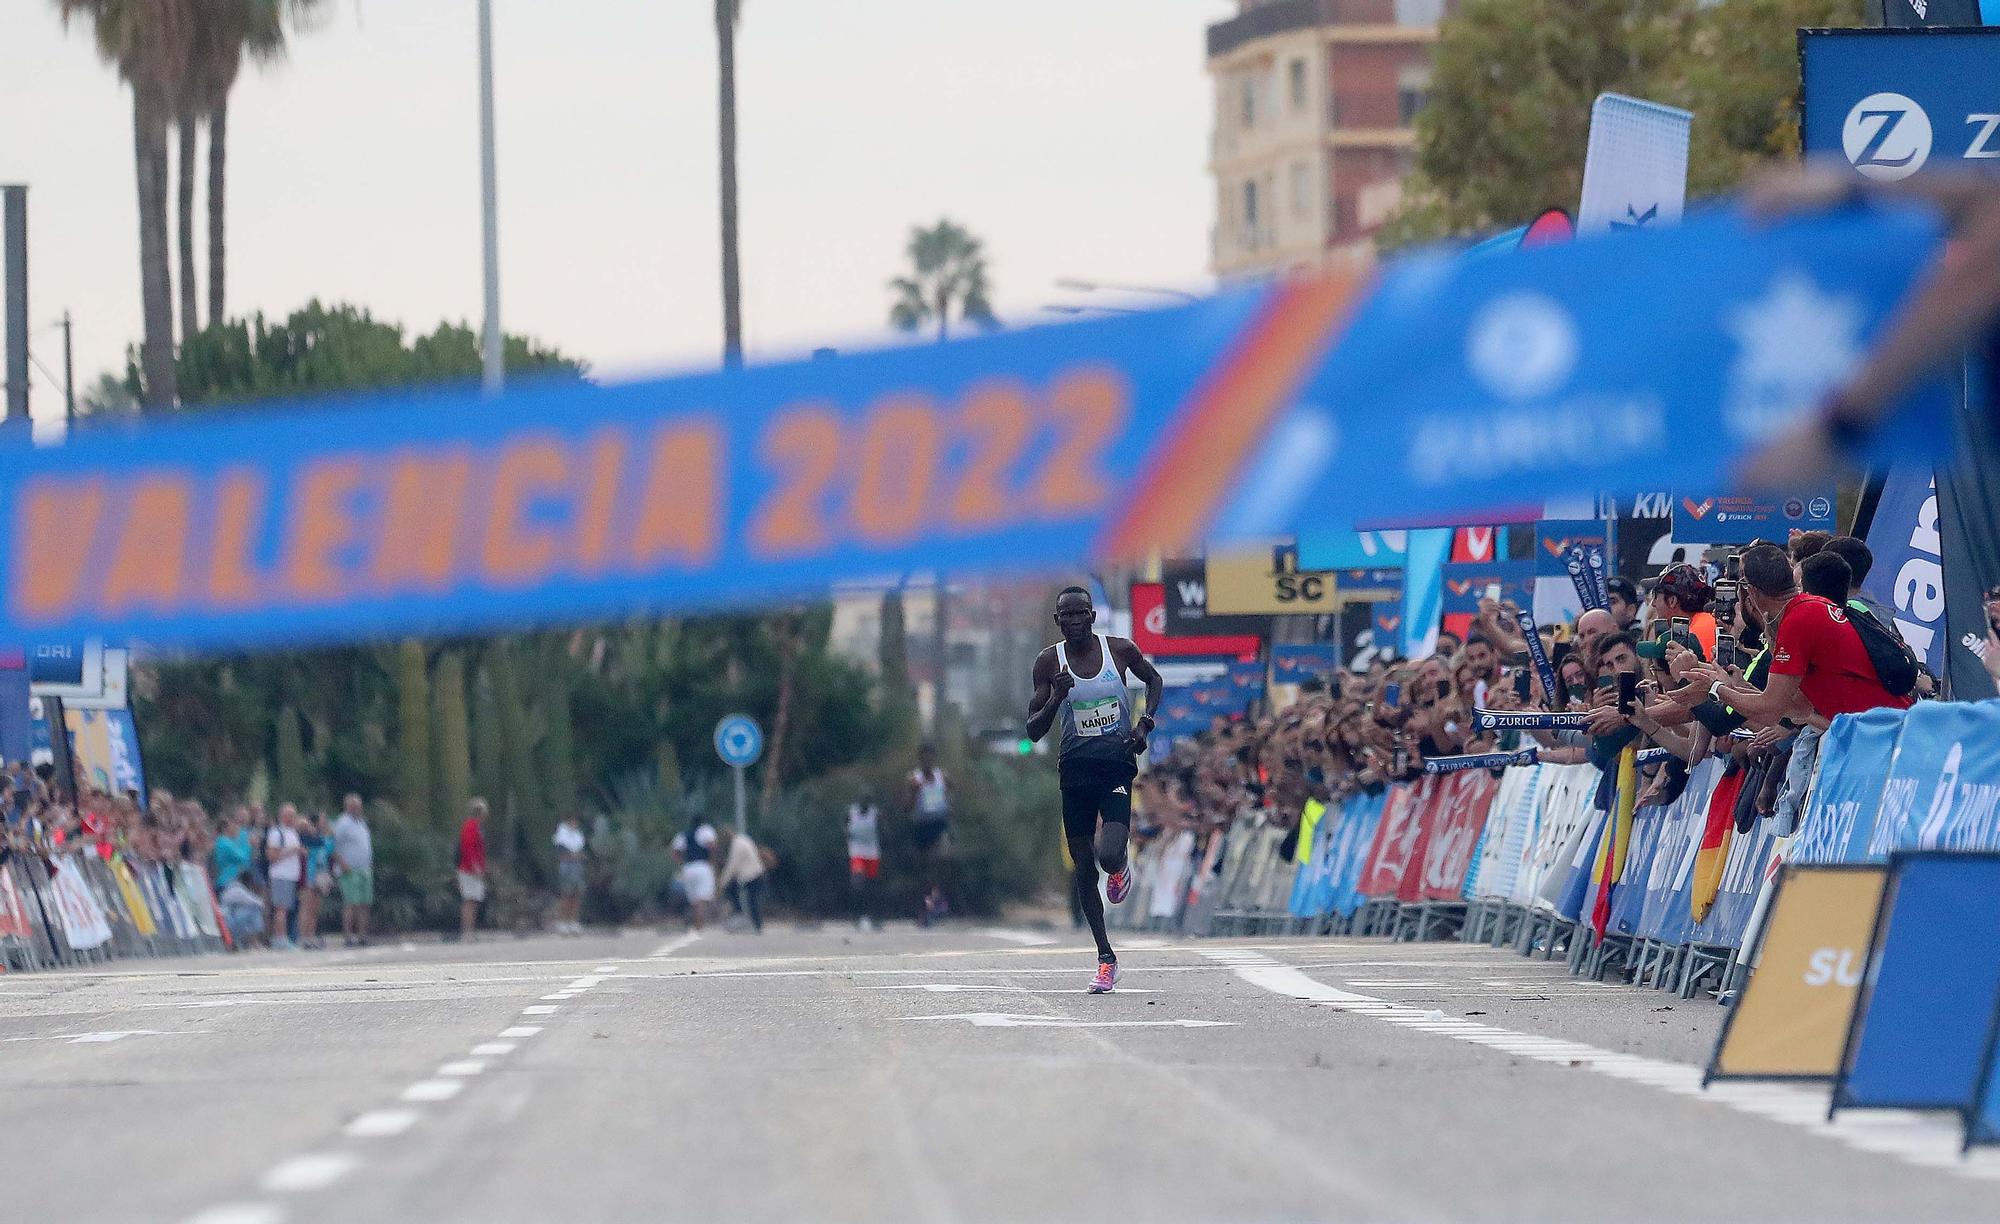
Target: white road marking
[605, 969]
[674, 945]
[490, 1049]
[585, 983]
[1396, 982]
[381, 1123]
[521, 1030]
[1927, 1141]
[1027, 939]
[434, 1090]
[545, 1009]
[1009, 1020]
[463, 1066]
[959, 988]
[560, 994]
[313, 1172]
[238, 1213]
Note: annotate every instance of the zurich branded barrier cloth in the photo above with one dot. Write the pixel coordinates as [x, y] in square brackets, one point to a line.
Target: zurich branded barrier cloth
[1636, 359]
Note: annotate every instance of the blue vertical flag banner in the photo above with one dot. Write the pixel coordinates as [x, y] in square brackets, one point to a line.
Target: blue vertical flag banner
[1423, 590]
[1635, 169]
[1908, 574]
[1451, 382]
[1926, 1010]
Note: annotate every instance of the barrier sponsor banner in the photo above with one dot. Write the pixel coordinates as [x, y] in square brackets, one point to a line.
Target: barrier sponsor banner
[14, 920]
[1510, 834]
[1716, 518]
[1352, 838]
[83, 921]
[1670, 878]
[1792, 1018]
[1458, 382]
[1840, 814]
[1626, 913]
[1743, 874]
[1926, 1003]
[1565, 808]
[1457, 820]
[1398, 840]
[1943, 785]
[1296, 663]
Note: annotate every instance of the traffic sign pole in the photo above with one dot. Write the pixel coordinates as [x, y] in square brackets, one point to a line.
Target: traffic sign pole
[742, 824]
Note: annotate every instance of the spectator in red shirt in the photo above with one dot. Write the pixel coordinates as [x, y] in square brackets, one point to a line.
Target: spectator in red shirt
[1817, 657]
[471, 867]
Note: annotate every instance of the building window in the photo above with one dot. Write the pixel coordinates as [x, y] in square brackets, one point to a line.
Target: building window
[1413, 92]
[1249, 102]
[1250, 217]
[1297, 72]
[1301, 190]
[1419, 12]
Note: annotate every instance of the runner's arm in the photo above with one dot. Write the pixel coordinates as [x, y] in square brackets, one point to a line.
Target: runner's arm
[1042, 709]
[1132, 659]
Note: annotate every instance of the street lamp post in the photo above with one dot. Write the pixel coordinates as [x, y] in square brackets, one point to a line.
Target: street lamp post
[493, 372]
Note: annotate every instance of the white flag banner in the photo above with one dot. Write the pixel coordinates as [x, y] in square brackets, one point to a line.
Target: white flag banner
[1635, 173]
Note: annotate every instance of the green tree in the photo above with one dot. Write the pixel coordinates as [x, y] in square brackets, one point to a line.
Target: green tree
[899, 701]
[520, 803]
[413, 725]
[558, 759]
[489, 753]
[946, 281]
[1508, 124]
[450, 739]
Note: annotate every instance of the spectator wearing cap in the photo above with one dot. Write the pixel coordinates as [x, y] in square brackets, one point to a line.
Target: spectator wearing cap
[1625, 602]
[1816, 655]
[1682, 591]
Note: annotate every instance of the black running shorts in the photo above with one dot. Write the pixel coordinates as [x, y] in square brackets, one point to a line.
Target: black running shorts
[1084, 802]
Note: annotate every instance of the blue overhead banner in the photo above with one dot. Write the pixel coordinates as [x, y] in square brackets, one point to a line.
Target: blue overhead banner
[1718, 518]
[1919, 1037]
[1320, 549]
[1445, 384]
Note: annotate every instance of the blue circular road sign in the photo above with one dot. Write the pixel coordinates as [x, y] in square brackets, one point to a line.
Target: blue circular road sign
[739, 741]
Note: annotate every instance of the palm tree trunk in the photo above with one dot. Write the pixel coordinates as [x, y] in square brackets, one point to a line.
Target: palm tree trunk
[190, 281]
[787, 625]
[944, 316]
[156, 289]
[218, 144]
[732, 292]
[941, 645]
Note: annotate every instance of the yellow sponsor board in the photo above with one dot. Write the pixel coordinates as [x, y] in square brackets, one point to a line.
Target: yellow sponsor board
[1792, 1019]
[1265, 580]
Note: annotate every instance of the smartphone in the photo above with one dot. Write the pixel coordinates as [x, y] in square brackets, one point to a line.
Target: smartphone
[1628, 691]
[1392, 695]
[1444, 689]
[1725, 650]
[1661, 630]
[1605, 682]
[1680, 625]
[1522, 688]
[1578, 693]
[1522, 658]
[1493, 591]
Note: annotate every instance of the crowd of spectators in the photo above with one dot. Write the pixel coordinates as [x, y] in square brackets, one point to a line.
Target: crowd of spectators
[1747, 657]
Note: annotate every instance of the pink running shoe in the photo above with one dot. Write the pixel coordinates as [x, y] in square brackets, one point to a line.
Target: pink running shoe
[1118, 883]
[1107, 977]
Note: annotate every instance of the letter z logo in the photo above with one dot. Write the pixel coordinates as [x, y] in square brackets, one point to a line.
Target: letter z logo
[1982, 141]
[1886, 137]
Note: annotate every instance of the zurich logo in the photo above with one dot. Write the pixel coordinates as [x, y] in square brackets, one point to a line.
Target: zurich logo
[1522, 346]
[1886, 137]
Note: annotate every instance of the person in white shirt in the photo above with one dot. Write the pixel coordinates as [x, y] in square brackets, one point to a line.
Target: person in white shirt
[693, 850]
[286, 855]
[743, 879]
[569, 876]
[864, 857]
[928, 797]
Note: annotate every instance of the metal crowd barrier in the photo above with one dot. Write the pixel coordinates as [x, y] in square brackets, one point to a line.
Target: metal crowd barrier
[78, 908]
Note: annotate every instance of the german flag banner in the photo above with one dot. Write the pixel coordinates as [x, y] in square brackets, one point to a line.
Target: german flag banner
[1441, 383]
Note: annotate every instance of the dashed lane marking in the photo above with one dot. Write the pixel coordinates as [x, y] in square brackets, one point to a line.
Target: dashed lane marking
[521, 1030]
[381, 1124]
[960, 988]
[1027, 939]
[313, 1172]
[434, 1090]
[463, 1066]
[491, 1049]
[239, 1213]
[674, 945]
[1010, 1020]
[544, 1009]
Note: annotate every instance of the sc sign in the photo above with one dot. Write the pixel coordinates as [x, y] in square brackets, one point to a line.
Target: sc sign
[1893, 102]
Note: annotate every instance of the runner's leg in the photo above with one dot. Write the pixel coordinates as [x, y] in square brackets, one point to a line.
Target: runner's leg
[1080, 807]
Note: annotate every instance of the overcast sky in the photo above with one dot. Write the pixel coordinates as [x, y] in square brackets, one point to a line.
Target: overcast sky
[1070, 136]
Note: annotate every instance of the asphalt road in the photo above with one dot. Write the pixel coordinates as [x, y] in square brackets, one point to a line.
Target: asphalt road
[952, 1075]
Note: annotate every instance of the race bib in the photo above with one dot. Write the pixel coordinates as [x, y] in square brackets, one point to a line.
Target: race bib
[1098, 717]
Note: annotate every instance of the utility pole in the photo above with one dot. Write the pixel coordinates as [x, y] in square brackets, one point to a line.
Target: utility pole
[69, 378]
[494, 371]
[14, 220]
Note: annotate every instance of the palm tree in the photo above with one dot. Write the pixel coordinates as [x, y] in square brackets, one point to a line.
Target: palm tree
[229, 30]
[948, 267]
[728, 15]
[150, 42]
